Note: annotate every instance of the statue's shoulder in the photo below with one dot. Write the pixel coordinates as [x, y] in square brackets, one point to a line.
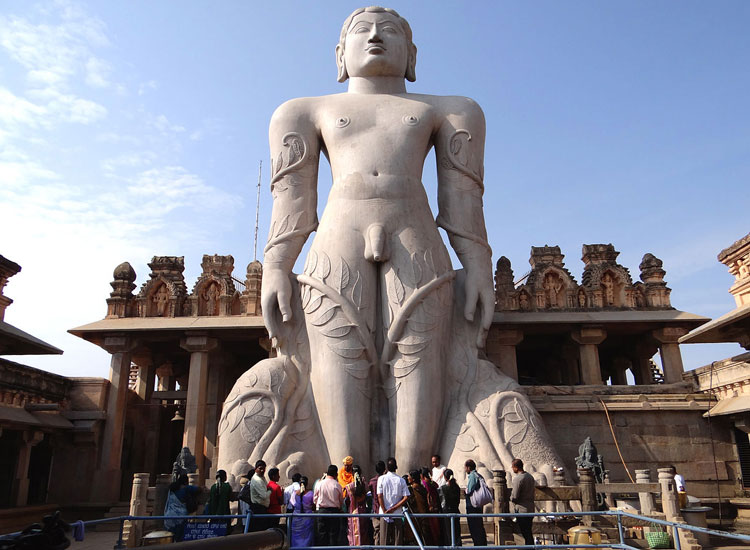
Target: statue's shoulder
[303, 109]
[452, 105]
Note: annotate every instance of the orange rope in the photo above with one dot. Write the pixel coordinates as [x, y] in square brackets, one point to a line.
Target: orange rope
[617, 446]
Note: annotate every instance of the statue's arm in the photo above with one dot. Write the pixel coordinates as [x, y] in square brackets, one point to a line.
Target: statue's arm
[459, 150]
[295, 146]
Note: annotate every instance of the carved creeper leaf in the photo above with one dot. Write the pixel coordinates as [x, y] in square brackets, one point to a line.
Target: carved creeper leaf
[280, 162]
[516, 422]
[325, 316]
[429, 262]
[357, 292]
[395, 288]
[341, 276]
[315, 301]
[283, 226]
[412, 344]
[404, 367]
[346, 349]
[325, 266]
[416, 269]
[338, 330]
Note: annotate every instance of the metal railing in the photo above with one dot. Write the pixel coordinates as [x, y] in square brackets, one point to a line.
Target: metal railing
[410, 517]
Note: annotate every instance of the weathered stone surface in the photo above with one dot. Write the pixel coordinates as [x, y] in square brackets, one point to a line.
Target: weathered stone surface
[362, 376]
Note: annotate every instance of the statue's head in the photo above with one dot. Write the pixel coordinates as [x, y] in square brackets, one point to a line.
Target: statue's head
[399, 50]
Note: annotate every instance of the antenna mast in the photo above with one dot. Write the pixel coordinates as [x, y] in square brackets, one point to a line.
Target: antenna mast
[257, 212]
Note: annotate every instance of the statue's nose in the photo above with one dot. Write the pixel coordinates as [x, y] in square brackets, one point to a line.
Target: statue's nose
[374, 36]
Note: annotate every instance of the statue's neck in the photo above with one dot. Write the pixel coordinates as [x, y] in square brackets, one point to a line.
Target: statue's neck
[377, 85]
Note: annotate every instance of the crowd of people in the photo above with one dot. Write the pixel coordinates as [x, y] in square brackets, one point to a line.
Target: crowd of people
[429, 490]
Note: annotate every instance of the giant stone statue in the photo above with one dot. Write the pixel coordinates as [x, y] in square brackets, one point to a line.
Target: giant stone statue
[379, 341]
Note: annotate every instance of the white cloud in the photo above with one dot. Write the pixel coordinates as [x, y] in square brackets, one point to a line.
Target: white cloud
[97, 73]
[146, 86]
[16, 110]
[128, 160]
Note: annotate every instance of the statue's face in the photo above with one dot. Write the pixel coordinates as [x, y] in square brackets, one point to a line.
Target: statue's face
[376, 45]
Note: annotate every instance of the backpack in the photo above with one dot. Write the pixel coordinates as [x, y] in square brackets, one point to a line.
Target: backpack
[244, 494]
[482, 495]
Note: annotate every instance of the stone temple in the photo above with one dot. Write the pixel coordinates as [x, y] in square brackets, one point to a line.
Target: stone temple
[379, 347]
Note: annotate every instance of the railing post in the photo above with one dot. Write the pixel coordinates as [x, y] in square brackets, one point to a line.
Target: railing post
[120, 545]
[646, 499]
[558, 480]
[414, 529]
[500, 504]
[134, 529]
[587, 484]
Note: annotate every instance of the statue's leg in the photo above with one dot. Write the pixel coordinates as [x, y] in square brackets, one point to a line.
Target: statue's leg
[338, 296]
[416, 312]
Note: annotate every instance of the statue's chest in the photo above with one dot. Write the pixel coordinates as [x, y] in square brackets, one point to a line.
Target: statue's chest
[398, 124]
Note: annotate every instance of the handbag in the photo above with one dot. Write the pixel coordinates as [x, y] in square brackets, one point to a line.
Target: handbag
[658, 539]
[482, 495]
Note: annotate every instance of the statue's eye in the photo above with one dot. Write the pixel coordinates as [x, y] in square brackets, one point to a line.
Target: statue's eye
[389, 28]
[360, 29]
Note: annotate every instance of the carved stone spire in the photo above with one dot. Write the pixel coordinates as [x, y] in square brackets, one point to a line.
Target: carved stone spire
[504, 287]
[655, 289]
[7, 270]
[251, 296]
[120, 301]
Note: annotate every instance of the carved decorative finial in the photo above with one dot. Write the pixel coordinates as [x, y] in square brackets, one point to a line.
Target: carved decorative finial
[163, 295]
[737, 259]
[504, 287]
[251, 295]
[655, 291]
[120, 301]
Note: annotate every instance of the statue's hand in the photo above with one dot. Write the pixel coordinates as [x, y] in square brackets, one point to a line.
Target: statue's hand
[479, 290]
[276, 300]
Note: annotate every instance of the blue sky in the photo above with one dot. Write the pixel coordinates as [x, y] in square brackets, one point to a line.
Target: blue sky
[133, 129]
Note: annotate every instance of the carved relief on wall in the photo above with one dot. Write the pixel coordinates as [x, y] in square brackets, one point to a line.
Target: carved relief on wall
[158, 303]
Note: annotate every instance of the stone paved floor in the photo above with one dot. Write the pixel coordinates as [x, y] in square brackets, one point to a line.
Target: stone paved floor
[95, 541]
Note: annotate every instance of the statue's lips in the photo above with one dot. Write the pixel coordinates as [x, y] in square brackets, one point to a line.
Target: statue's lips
[375, 49]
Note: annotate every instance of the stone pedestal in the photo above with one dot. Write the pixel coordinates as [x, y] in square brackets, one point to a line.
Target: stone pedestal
[109, 475]
[669, 349]
[503, 531]
[588, 339]
[587, 484]
[199, 347]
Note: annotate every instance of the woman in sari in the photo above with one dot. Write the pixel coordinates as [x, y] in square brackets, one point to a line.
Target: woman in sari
[356, 492]
[433, 503]
[450, 496]
[418, 505]
[303, 529]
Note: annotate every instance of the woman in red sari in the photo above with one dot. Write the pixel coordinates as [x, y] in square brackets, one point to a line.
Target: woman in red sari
[356, 492]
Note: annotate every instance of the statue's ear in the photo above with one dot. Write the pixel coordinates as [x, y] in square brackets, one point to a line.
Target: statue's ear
[411, 64]
[341, 64]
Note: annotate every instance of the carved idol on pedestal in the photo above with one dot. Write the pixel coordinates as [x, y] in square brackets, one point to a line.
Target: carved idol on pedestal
[379, 340]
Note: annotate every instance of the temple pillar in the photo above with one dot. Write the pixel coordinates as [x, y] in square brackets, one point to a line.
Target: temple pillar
[669, 350]
[20, 487]
[501, 350]
[146, 377]
[641, 360]
[214, 399]
[587, 484]
[109, 474]
[199, 347]
[620, 367]
[588, 340]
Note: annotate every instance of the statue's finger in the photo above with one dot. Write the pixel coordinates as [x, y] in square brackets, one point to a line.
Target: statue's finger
[471, 303]
[285, 306]
[488, 309]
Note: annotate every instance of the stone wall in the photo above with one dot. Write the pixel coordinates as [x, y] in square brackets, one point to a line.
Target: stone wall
[652, 437]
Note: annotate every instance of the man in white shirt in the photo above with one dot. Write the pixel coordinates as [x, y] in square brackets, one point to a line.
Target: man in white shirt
[392, 495]
[290, 493]
[329, 498]
[438, 471]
